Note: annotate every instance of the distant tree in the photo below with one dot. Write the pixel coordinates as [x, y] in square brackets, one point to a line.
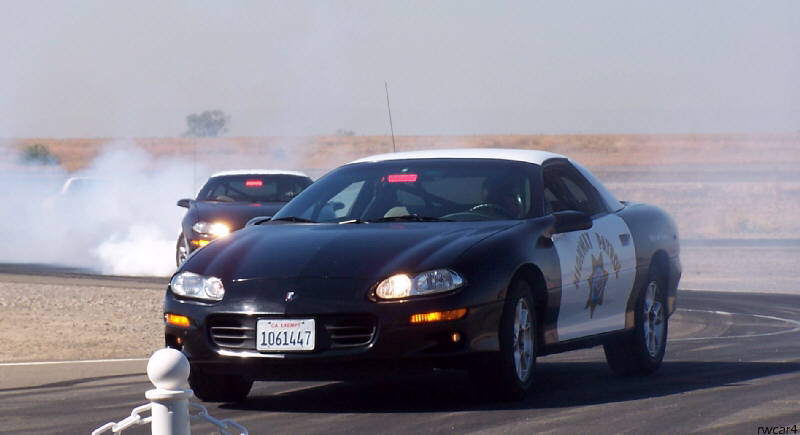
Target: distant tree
[343, 132]
[38, 154]
[211, 123]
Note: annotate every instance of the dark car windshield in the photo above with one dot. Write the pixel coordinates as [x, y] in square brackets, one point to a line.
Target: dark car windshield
[253, 188]
[418, 190]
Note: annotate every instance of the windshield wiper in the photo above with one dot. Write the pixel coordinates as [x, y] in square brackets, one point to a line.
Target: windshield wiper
[352, 221]
[410, 217]
[294, 219]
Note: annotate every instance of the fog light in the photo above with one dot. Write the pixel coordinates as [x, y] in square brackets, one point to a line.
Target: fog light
[177, 320]
[455, 337]
[439, 316]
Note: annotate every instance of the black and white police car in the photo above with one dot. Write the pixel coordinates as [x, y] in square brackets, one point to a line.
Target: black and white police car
[479, 259]
[228, 200]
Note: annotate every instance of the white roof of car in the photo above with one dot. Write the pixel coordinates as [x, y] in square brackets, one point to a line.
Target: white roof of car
[259, 172]
[530, 156]
[68, 184]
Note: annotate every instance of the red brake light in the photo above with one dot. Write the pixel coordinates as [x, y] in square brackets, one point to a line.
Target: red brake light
[402, 178]
[254, 183]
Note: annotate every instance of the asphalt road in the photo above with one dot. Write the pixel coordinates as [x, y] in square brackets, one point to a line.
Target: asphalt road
[733, 364]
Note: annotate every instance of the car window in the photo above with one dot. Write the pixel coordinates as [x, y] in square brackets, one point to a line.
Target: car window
[447, 189]
[575, 191]
[566, 189]
[253, 188]
[341, 203]
[467, 190]
[608, 198]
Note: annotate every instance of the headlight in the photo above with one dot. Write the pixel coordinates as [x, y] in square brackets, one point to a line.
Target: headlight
[192, 285]
[216, 229]
[425, 283]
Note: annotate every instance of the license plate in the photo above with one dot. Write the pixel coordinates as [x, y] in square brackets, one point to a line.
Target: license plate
[278, 335]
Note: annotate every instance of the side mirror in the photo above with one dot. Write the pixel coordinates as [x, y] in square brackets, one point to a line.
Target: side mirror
[571, 220]
[258, 220]
[185, 202]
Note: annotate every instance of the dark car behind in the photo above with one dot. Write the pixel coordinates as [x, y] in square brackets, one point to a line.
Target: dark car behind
[228, 200]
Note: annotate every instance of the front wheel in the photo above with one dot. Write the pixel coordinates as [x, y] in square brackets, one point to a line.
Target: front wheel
[210, 387]
[642, 352]
[510, 372]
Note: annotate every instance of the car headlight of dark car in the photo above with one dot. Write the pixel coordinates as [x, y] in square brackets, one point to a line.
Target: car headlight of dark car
[192, 285]
[430, 282]
[214, 229]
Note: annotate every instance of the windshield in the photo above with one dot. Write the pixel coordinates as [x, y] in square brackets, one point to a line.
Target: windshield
[418, 189]
[253, 188]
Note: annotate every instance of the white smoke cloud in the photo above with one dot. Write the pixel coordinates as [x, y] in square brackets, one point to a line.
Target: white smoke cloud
[139, 250]
[119, 217]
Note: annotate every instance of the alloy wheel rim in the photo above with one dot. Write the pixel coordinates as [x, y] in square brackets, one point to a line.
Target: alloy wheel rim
[653, 320]
[523, 340]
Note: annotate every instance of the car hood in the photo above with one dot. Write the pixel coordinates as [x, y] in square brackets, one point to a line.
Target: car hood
[288, 251]
[235, 214]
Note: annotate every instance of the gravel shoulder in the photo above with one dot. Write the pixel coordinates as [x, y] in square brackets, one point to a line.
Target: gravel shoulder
[55, 318]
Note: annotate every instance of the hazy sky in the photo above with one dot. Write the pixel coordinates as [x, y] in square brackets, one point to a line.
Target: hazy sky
[137, 68]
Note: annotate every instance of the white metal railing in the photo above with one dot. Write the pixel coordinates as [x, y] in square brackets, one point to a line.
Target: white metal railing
[168, 370]
[134, 420]
[223, 425]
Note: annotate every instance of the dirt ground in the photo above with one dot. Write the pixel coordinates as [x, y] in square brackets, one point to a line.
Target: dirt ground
[66, 318]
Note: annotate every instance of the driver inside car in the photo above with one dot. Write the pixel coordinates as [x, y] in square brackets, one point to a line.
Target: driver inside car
[502, 196]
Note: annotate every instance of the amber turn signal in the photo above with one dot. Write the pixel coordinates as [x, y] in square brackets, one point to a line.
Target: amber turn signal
[439, 316]
[177, 320]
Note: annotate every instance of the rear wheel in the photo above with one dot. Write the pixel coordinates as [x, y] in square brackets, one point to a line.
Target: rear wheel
[642, 352]
[509, 373]
[181, 250]
[218, 388]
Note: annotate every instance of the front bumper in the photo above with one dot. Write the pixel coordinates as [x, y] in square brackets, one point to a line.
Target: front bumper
[388, 340]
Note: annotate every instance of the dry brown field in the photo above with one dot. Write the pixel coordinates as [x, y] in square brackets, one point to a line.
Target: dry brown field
[717, 186]
[323, 152]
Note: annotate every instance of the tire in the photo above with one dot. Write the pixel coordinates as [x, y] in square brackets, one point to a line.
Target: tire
[181, 250]
[642, 352]
[219, 388]
[509, 373]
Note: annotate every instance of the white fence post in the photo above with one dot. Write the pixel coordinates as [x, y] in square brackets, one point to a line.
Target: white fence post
[168, 370]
